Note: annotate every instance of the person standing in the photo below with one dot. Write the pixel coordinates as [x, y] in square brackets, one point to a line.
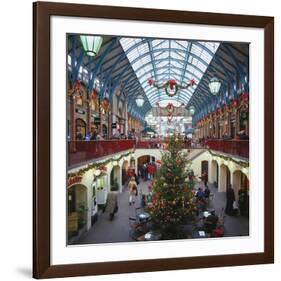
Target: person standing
[204, 178]
[112, 202]
[230, 198]
[243, 201]
[133, 190]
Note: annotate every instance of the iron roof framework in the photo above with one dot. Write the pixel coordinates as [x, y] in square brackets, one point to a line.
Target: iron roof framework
[134, 60]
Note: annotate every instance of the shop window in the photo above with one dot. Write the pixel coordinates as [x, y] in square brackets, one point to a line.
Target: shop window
[71, 201]
[80, 129]
[243, 119]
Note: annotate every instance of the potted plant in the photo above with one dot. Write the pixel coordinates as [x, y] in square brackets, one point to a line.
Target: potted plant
[82, 210]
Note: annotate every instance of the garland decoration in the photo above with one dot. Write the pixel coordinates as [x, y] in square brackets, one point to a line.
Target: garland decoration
[243, 164]
[232, 106]
[101, 166]
[171, 86]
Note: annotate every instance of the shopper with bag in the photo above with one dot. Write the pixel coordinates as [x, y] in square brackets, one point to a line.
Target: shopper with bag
[133, 190]
[112, 202]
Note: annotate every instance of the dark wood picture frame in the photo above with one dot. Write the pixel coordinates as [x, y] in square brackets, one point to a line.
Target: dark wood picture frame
[42, 11]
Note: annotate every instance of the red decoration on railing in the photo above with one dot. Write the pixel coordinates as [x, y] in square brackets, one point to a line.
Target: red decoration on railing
[90, 150]
[234, 147]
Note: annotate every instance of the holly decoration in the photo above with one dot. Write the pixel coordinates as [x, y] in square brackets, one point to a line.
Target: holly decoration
[172, 204]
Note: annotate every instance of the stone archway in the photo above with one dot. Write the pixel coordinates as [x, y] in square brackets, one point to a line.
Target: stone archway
[115, 177]
[214, 176]
[239, 180]
[205, 168]
[224, 178]
[77, 208]
[125, 167]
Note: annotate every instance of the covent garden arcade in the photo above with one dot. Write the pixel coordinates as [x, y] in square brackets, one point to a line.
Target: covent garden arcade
[157, 139]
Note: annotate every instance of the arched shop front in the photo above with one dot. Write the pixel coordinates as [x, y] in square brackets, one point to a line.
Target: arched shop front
[240, 180]
[214, 172]
[224, 180]
[125, 168]
[77, 209]
[205, 168]
[115, 177]
[80, 128]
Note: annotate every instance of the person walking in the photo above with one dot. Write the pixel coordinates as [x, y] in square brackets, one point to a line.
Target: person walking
[133, 190]
[111, 206]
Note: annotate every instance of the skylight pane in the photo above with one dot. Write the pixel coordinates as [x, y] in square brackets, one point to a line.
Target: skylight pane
[163, 63]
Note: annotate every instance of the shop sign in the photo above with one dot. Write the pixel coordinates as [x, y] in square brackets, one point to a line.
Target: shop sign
[97, 121]
[80, 111]
[74, 180]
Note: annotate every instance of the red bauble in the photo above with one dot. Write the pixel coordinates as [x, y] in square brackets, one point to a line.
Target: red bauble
[172, 83]
[178, 162]
[150, 81]
[192, 82]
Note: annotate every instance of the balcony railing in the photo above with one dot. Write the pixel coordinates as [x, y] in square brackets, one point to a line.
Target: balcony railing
[147, 144]
[88, 150]
[233, 147]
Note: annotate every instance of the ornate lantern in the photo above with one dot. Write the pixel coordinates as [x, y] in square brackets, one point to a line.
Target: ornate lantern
[214, 86]
[191, 110]
[91, 44]
[139, 100]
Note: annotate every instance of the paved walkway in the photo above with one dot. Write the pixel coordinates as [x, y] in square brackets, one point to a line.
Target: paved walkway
[106, 231]
[117, 230]
[233, 225]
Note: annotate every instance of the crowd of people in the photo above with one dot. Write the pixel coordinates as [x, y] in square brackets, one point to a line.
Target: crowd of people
[211, 223]
[95, 135]
[147, 170]
[240, 206]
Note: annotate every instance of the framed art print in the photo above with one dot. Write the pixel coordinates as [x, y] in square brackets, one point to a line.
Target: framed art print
[153, 140]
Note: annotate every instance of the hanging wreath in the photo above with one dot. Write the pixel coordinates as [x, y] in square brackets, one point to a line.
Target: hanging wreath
[170, 108]
[171, 86]
[77, 86]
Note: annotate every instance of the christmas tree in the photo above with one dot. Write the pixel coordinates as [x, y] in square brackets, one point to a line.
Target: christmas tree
[172, 191]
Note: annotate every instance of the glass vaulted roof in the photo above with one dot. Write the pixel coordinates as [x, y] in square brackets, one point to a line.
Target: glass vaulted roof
[163, 60]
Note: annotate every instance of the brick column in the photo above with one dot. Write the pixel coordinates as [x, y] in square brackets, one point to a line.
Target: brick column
[72, 125]
[88, 127]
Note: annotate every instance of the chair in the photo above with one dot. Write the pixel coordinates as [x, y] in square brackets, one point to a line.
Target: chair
[138, 228]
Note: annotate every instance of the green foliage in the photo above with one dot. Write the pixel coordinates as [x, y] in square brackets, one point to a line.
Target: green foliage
[172, 191]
